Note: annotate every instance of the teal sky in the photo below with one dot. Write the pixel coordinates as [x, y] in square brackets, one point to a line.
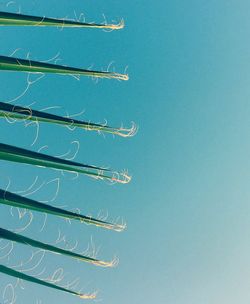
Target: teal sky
[188, 205]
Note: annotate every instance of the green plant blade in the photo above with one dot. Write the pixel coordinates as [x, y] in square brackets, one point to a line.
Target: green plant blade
[19, 155]
[11, 19]
[14, 200]
[14, 237]
[10, 111]
[19, 275]
[24, 65]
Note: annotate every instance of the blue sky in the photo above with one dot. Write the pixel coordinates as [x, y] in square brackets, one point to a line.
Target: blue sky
[187, 206]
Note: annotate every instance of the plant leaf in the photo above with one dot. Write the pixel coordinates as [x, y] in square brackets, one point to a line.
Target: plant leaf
[10, 111]
[31, 66]
[14, 237]
[19, 275]
[15, 154]
[11, 19]
[15, 200]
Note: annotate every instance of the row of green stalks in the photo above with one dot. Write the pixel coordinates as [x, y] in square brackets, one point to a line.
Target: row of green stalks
[15, 154]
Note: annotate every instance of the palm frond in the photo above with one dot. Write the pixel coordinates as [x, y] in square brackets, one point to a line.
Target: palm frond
[12, 19]
[24, 65]
[19, 275]
[10, 111]
[14, 200]
[19, 155]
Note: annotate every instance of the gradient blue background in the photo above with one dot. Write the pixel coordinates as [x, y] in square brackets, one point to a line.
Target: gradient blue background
[187, 207]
